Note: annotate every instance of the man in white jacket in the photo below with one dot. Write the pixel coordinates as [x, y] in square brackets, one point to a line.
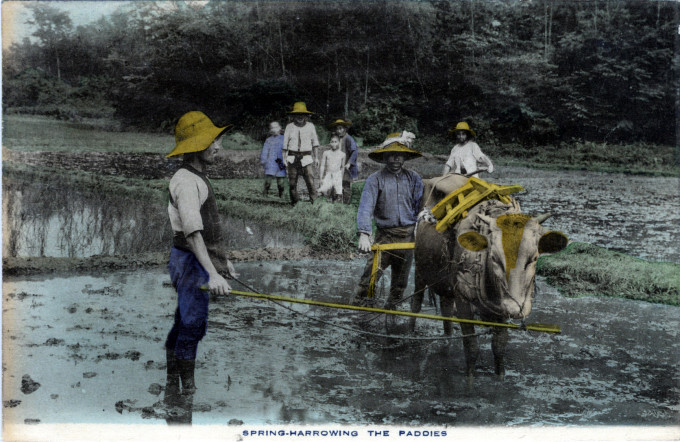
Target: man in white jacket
[300, 146]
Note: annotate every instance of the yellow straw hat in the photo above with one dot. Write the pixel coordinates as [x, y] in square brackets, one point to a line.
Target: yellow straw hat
[340, 122]
[300, 108]
[195, 132]
[395, 142]
[462, 126]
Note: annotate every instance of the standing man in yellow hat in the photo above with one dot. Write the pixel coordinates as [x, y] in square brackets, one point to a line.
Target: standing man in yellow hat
[197, 257]
[300, 147]
[391, 197]
[466, 157]
[349, 146]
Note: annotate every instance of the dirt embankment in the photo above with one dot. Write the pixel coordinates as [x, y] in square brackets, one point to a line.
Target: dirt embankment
[237, 164]
[232, 164]
[23, 266]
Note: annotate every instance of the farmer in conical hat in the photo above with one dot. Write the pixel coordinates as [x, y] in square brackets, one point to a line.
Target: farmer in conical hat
[466, 157]
[300, 147]
[197, 256]
[391, 197]
[349, 146]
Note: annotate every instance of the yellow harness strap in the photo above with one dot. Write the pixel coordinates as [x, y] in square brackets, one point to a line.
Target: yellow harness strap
[454, 206]
[377, 248]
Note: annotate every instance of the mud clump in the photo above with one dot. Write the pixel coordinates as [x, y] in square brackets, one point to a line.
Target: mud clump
[53, 341]
[155, 389]
[28, 385]
[127, 404]
[11, 403]
[20, 296]
[133, 355]
[106, 291]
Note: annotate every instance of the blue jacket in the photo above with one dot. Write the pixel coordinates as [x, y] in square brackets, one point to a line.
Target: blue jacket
[271, 151]
[392, 200]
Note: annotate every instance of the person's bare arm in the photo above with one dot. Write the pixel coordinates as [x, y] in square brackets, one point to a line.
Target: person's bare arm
[217, 284]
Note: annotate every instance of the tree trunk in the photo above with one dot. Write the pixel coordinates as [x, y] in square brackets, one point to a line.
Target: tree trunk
[346, 100]
[550, 22]
[328, 89]
[337, 72]
[545, 31]
[472, 29]
[56, 53]
[283, 65]
[368, 59]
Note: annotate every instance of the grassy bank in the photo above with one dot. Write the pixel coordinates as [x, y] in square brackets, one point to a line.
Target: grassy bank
[586, 270]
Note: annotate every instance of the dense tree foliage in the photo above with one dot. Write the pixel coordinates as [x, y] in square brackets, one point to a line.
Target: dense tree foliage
[536, 71]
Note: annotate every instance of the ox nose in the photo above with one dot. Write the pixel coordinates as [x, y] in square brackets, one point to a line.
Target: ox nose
[515, 310]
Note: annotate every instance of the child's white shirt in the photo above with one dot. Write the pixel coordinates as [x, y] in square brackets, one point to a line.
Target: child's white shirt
[468, 157]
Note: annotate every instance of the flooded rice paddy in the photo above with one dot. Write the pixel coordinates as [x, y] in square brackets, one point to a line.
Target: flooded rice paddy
[94, 344]
[43, 222]
[89, 349]
[633, 214]
[636, 215]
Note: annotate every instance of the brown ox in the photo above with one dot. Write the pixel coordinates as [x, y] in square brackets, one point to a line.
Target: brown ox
[484, 264]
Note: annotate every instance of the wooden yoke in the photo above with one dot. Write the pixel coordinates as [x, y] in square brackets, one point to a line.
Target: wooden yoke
[454, 206]
[377, 248]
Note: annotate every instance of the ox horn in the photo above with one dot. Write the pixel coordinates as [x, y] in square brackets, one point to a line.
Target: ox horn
[541, 218]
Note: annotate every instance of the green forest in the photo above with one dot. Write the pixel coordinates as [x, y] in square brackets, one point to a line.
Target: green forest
[535, 72]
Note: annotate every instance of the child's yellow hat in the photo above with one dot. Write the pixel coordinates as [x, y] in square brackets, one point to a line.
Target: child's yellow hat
[300, 108]
[462, 126]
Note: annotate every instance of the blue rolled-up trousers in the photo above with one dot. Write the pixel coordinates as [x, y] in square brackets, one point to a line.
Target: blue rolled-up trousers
[191, 316]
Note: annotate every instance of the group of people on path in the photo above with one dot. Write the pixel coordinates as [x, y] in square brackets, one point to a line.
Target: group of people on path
[198, 263]
[295, 153]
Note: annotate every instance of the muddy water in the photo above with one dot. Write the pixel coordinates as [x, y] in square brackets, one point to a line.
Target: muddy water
[69, 223]
[633, 214]
[94, 342]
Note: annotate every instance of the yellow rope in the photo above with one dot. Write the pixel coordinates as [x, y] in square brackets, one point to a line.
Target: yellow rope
[546, 328]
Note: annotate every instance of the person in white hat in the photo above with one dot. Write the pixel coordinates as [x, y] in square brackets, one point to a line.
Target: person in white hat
[391, 197]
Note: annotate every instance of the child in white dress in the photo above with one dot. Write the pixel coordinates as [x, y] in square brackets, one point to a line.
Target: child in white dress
[466, 157]
[332, 169]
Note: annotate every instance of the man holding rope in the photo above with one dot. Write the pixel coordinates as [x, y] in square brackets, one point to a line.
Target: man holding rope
[391, 197]
[196, 258]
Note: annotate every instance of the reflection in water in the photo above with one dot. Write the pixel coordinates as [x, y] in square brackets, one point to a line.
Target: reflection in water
[44, 221]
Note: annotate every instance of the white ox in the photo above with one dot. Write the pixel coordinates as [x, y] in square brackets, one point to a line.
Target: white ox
[484, 264]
